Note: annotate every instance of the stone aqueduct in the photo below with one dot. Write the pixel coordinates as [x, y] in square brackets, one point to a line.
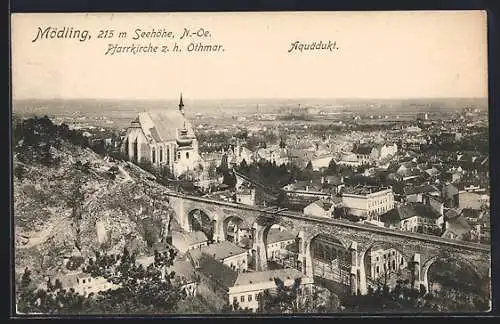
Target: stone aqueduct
[421, 249]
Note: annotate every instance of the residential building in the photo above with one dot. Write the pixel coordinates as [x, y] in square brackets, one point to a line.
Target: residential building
[349, 159]
[225, 252]
[413, 129]
[239, 233]
[391, 219]
[417, 193]
[280, 245]
[419, 217]
[321, 161]
[366, 153]
[249, 286]
[185, 241]
[450, 195]
[456, 226]
[381, 262]
[215, 275]
[185, 273]
[238, 153]
[246, 196]
[333, 183]
[470, 200]
[368, 202]
[387, 150]
[274, 155]
[306, 189]
[319, 208]
[83, 283]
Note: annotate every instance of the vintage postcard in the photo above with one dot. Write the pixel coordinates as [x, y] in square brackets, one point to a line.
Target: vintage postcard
[251, 163]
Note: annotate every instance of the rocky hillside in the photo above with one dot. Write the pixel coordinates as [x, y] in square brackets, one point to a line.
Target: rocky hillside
[80, 203]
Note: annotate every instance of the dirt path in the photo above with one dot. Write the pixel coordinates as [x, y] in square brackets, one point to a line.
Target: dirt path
[125, 175]
[56, 223]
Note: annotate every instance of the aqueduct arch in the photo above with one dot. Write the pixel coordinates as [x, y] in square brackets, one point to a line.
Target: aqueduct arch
[260, 233]
[382, 262]
[477, 277]
[331, 260]
[417, 249]
[234, 229]
[199, 220]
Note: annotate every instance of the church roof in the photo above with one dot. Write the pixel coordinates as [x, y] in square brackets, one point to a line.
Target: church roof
[363, 149]
[163, 125]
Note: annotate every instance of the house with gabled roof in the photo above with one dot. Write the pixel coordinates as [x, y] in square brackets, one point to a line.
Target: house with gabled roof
[419, 217]
[320, 208]
[249, 286]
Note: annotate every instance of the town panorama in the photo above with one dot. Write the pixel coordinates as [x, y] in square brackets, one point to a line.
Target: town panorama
[234, 206]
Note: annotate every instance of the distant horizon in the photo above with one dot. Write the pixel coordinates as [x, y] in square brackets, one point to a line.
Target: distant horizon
[186, 98]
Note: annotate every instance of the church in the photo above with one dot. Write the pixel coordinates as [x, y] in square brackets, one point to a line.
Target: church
[164, 138]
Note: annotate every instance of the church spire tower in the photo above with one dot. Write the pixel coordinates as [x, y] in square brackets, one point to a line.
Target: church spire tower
[181, 105]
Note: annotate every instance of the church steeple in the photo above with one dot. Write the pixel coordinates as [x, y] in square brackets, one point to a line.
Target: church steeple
[181, 105]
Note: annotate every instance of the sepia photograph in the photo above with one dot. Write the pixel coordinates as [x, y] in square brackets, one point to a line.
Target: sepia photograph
[250, 163]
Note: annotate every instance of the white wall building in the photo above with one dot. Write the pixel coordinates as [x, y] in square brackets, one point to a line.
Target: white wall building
[246, 196]
[368, 202]
[321, 162]
[349, 159]
[382, 262]
[419, 217]
[225, 252]
[185, 241]
[388, 151]
[249, 285]
[277, 242]
[82, 283]
[319, 208]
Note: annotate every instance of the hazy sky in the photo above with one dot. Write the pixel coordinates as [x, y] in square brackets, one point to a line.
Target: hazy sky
[380, 55]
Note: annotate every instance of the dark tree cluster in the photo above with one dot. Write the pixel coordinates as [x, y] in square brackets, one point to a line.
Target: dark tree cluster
[275, 177]
[139, 289]
[402, 298]
[55, 299]
[282, 300]
[33, 138]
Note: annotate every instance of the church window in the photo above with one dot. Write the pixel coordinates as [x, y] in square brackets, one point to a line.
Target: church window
[187, 155]
[168, 155]
[126, 147]
[135, 150]
[178, 155]
[153, 153]
[161, 154]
